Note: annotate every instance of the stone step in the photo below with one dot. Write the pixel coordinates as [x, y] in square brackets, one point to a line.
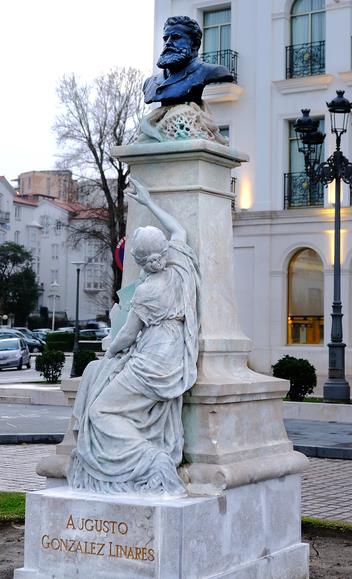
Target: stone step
[32, 394]
[15, 399]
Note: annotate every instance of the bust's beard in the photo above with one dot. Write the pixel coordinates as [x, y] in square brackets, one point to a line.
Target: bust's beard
[171, 58]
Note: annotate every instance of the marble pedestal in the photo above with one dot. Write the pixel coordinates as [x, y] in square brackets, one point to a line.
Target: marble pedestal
[242, 518]
[251, 532]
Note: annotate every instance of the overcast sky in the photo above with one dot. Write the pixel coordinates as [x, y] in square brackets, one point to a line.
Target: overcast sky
[41, 40]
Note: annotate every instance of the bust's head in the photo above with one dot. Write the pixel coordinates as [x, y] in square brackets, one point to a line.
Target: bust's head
[149, 248]
[182, 38]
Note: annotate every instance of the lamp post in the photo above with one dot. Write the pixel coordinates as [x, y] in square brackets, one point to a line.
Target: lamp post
[54, 287]
[337, 167]
[78, 265]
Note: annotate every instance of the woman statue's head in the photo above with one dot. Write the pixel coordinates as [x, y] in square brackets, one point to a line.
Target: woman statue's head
[149, 248]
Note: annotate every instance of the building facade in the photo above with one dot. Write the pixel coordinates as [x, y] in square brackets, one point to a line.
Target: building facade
[42, 224]
[286, 55]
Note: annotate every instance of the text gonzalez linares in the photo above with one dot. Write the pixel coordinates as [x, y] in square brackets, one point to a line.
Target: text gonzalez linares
[108, 549]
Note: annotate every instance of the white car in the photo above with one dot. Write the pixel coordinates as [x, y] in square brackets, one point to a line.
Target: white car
[14, 353]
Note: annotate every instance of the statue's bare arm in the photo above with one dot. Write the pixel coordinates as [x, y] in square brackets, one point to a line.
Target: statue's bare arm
[142, 195]
[126, 336]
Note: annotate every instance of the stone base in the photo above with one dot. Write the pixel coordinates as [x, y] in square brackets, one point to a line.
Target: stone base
[250, 532]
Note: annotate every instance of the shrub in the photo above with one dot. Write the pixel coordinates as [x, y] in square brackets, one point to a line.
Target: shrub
[60, 341]
[50, 365]
[82, 359]
[300, 373]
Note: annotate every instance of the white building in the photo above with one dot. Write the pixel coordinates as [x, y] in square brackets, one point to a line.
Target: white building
[40, 224]
[289, 55]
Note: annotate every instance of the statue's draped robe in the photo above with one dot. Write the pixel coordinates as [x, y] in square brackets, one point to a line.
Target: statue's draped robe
[128, 408]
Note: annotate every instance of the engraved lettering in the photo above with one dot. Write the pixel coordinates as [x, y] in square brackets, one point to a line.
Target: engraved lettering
[122, 528]
[46, 545]
[70, 524]
[101, 546]
[151, 555]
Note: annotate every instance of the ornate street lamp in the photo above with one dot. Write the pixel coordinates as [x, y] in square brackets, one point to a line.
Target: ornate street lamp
[78, 265]
[336, 167]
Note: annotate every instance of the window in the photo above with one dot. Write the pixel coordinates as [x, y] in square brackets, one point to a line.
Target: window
[58, 226]
[45, 223]
[306, 55]
[225, 131]
[54, 275]
[217, 30]
[305, 324]
[94, 271]
[17, 213]
[298, 190]
[17, 237]
[55, 251]
[94, 277]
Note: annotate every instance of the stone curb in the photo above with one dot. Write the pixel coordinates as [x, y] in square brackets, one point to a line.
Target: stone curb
[31, 438]
[324, 452]
[324, 412]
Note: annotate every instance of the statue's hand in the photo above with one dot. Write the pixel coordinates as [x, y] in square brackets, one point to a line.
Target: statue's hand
[109, 354]
[139, 193]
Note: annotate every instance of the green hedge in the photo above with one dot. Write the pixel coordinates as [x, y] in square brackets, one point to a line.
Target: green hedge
[60, 341]
[82, 359]
[50, 365]
[300, 373]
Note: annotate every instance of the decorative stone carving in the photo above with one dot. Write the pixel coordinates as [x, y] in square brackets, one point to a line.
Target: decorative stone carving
[128, 407]
[186, 121]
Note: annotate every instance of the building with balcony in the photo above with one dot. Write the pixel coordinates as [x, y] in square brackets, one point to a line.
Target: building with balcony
[288, 55]
[43, 225]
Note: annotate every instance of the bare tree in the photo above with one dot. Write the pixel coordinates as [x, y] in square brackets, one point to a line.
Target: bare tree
[93, 118]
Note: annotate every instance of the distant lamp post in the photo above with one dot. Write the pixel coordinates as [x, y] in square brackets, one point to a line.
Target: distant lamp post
[337, 167]
[54, 286]
[78, 265]
[5, 317]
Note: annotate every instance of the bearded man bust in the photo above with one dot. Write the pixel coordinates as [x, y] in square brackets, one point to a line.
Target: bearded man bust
[183, 75]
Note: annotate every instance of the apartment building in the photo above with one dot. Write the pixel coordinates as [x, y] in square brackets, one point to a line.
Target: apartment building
[286, 55]
[42, 224]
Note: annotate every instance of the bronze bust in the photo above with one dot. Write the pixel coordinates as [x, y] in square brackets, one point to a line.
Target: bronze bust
[183, 75]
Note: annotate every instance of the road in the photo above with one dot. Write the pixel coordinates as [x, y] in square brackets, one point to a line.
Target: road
[13, 376]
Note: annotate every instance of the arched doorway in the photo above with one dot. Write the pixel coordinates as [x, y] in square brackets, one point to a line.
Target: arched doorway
[305, 320]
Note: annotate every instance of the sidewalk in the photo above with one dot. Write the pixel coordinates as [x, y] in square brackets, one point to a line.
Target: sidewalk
[326, 488]
[48, 423]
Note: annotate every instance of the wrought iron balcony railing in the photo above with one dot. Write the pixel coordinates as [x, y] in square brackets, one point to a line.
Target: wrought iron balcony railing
[4, 216]
[299, 192]
[305, 59]
[226, 58]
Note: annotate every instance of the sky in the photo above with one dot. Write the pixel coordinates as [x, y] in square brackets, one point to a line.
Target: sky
[40, 41]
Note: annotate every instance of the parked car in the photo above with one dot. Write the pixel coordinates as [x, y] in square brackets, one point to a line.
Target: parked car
[41, 333]
[27, 333]
[94, 334]
[14, 352]
[33, 344]
[66, 329]
[94, 325]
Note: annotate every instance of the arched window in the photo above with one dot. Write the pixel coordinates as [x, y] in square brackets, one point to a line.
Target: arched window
[306, 55]
[305, 298]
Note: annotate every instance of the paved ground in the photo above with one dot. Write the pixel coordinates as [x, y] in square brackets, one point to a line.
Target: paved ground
[321, 439]
[13, 376]
[326, 489]
[43, 423]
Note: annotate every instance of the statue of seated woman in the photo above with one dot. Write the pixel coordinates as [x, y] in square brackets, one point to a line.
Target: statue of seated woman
[128, 407]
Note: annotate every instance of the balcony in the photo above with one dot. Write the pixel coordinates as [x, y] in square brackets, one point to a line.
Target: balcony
[299, 192]
[306, 59]
[4, 216]
[226, 58]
